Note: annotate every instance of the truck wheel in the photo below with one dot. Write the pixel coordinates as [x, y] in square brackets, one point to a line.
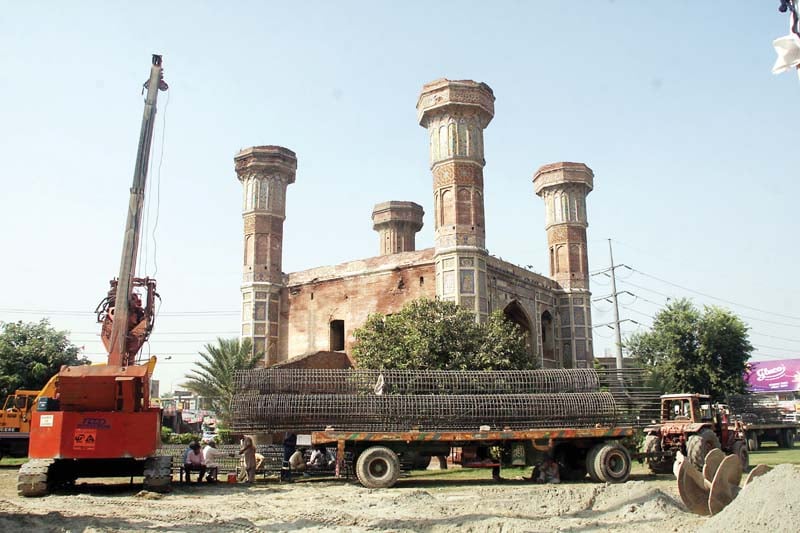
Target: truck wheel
[612, 462]
[594, 474]
[658, 465]
[698, 446]
[571, 464]
[377, 467]
[740, 449]
[752, 441]
[786, 438]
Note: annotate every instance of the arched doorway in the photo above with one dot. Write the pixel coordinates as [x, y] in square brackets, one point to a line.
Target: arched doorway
[516, 314]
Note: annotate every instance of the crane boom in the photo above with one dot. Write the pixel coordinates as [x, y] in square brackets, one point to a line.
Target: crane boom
[118, 350]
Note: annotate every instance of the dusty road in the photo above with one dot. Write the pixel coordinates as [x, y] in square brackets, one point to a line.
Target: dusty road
[415, 504]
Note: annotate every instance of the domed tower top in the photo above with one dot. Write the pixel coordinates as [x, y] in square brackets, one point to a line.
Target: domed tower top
[397, 224]
[564, 186]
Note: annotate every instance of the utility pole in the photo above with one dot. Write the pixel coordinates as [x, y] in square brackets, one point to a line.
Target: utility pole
[617, 329]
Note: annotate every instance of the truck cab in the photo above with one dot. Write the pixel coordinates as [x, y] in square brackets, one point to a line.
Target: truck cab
[16, 414]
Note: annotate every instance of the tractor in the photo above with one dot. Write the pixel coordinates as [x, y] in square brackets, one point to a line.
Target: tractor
[691, 424]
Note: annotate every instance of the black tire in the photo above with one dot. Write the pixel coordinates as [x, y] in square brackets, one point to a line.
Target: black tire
[377, 467]
[739, 448]
[780, 438]
[594, 474]
[698, 446]
[785, 438]
[612, 463]
[571, 464]
[752, 441]
[657, 465]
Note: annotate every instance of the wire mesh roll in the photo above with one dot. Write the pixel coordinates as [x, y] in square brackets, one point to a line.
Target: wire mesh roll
[754, 409]
[338, 381]
[442, 412]
[638, 404]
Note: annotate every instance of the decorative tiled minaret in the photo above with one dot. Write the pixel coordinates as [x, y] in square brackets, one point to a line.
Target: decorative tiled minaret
[564, 187]
[455, 113]
[265, 172]
[397, 224]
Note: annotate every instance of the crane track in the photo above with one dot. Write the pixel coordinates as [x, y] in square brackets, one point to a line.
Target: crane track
[33, 478]
[158, 473]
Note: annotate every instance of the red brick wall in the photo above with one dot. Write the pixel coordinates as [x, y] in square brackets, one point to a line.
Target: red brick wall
[351, 292]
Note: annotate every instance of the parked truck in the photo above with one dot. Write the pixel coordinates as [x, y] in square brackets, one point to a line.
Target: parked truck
[762, 419]
[598, 452]
[384, 420]
[15, 423]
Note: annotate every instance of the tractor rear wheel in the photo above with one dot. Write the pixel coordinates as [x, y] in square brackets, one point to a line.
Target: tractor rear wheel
[698, 446]
[739, 449]
[657, 465]
[377, 467]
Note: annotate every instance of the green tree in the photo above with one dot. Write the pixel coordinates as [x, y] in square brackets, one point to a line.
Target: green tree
[213, 376]
[31, 353]
[692, 351]
[437, 335]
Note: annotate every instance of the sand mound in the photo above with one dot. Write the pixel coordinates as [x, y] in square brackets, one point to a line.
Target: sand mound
[769, 503]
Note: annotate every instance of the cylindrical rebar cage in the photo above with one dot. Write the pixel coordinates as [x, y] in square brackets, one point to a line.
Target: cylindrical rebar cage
[440, 412]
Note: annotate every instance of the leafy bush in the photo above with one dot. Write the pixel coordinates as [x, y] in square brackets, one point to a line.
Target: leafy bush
[225, 436]
[166, 435]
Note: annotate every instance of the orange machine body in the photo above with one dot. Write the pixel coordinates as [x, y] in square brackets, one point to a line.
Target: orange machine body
[96, 412]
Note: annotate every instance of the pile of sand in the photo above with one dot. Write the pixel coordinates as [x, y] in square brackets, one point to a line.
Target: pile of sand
[768, 503]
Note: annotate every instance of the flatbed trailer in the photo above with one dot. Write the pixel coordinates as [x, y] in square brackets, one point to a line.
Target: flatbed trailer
[783, 433]
[596, 451]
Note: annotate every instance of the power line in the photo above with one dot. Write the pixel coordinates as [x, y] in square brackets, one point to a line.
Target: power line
[715, 297]
[22, 310]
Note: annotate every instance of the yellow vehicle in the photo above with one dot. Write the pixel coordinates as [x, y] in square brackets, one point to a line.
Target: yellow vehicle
[15, 423]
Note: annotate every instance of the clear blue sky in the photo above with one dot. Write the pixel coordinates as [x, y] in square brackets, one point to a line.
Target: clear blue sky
[692, 140]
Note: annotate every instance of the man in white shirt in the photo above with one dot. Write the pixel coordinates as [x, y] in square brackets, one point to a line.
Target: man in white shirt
[210, 455]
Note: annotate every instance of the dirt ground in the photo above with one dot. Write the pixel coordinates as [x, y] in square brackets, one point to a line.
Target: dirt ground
[645, 503]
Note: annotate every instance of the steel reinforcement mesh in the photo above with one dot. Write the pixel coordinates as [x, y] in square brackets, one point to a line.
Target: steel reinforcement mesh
[431, 412]
[755, 409]
[319, 381]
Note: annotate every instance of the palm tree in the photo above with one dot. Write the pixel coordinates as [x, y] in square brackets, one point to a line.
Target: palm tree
[213, 377]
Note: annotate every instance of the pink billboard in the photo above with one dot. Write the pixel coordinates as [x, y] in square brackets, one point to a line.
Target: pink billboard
[782, 375]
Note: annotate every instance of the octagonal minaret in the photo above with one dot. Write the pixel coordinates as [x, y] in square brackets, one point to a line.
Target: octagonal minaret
[564, 188]
[397, 224]
[265, 172]
[455, 113]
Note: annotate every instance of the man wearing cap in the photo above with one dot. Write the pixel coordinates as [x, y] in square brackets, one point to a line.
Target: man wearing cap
[193, 461]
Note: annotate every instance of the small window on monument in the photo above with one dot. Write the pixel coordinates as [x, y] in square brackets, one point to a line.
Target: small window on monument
[421, 280]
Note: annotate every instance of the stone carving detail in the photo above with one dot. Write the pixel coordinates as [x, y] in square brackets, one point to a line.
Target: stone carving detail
[467, 281]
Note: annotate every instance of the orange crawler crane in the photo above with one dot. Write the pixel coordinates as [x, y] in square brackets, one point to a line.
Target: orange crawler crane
[96, 421]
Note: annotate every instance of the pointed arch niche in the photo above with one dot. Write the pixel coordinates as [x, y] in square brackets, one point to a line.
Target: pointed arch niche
[516, 314]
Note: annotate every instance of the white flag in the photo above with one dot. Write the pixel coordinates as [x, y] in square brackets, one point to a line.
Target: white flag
[788, 49]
